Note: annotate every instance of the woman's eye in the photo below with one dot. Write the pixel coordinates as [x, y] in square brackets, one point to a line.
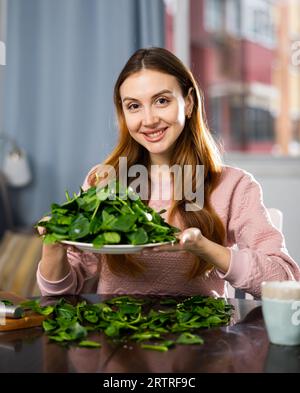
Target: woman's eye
[133, 107]
[162, 101]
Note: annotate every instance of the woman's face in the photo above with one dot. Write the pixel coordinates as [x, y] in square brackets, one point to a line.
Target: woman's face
[155, 111]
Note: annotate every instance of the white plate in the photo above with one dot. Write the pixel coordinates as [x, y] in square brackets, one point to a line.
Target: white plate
[112, 249]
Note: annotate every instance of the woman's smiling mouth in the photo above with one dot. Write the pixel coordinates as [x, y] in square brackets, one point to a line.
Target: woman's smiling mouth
[155, 136]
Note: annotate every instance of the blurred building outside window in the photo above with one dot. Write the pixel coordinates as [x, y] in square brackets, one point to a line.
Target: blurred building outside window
[245, 55]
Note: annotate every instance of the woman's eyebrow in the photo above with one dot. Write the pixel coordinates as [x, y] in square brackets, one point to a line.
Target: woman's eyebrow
[165, 91]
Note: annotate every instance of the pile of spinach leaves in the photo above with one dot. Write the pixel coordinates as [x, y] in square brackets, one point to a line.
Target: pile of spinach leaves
[141, 320]
[107, 215]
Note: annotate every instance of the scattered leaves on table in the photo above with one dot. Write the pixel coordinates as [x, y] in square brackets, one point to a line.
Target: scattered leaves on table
[142, 320]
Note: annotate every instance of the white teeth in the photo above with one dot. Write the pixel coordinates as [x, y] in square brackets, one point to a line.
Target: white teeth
[155, 134]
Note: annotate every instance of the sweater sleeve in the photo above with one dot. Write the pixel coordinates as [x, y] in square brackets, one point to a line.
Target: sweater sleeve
[83, 276]
[261, 254]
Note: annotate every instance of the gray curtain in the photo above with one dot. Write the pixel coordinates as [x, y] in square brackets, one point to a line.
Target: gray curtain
[63, 57]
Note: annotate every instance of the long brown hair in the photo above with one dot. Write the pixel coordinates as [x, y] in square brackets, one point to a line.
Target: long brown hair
[195, 146]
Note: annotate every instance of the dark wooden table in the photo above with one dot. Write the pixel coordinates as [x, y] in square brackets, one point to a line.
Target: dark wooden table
[241, 347]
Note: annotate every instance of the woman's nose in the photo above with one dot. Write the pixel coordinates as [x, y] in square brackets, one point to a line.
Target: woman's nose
[150, 118]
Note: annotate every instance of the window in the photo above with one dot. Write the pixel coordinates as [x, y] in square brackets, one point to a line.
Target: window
[233, 17]
[213, 15]
[256, 127]
[259, 25]
[249, 54]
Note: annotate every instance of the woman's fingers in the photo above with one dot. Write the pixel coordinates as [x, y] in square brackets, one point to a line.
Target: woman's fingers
[187, 240]
[71, 248]
[190, 235]
[42, 230]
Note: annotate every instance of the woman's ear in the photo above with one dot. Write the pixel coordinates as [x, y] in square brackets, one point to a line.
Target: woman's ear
[189, 103]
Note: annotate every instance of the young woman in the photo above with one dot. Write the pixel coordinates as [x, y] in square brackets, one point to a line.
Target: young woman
[162, 122]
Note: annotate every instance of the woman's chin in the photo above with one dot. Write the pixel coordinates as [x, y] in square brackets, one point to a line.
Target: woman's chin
[157, 150]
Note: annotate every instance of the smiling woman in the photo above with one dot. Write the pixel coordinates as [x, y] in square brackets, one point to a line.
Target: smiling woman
[162, 123]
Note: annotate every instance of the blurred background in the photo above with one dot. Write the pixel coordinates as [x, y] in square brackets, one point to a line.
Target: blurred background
[59, 60]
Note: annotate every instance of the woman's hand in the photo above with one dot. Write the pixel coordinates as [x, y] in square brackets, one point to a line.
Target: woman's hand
[189, 240]
[193, 241]
[54, 263]
[51, 251]
[55, 247]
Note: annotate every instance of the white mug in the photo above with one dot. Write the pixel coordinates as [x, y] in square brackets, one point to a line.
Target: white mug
[281, 311]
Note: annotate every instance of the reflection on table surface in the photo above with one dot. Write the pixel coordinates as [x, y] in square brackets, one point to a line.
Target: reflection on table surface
[241, 347]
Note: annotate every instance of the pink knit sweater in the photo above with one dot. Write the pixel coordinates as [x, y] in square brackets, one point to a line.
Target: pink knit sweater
[261, 254]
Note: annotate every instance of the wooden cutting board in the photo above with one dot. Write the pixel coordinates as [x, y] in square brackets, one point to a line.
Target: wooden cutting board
[30, 318]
